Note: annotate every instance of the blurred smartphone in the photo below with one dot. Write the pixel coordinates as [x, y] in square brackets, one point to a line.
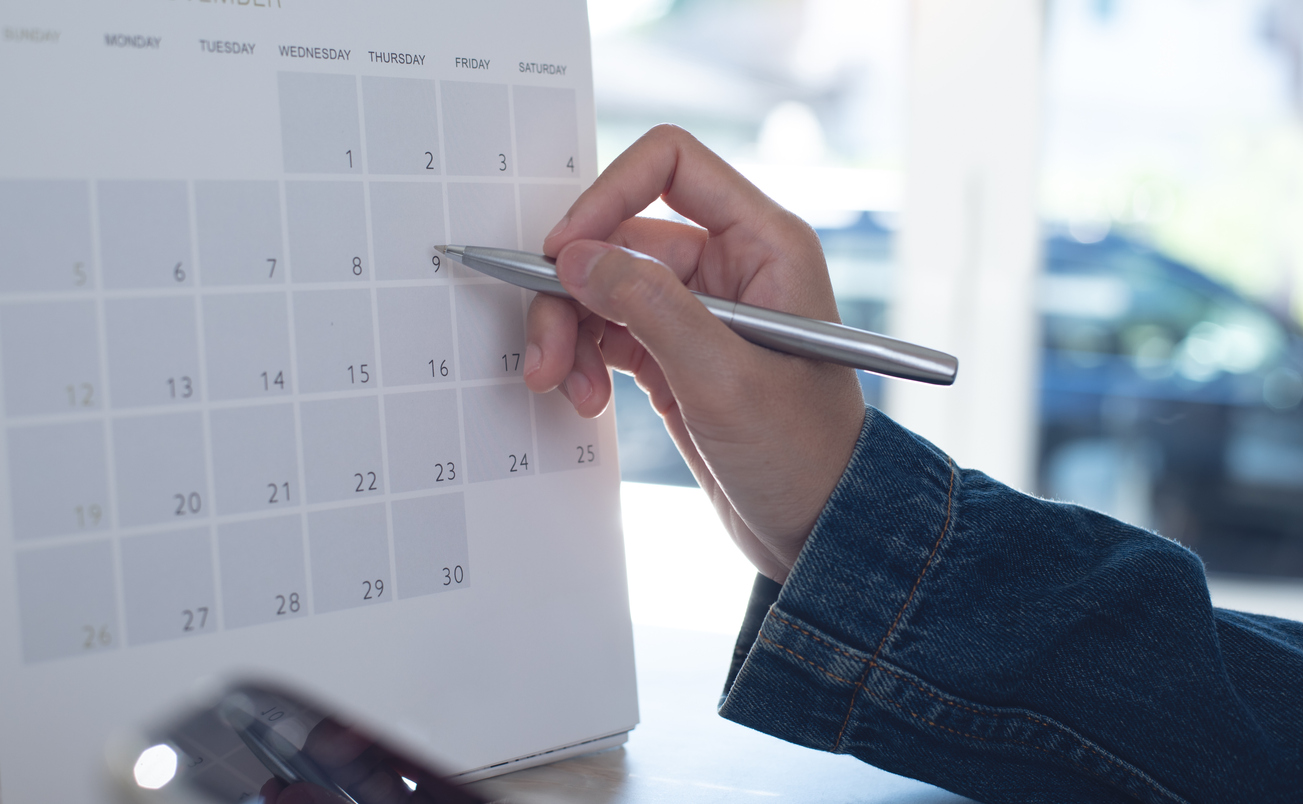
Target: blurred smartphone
[255, 742]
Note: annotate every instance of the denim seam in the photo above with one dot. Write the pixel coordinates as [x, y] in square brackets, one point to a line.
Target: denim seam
[871, 664]
[945, 528]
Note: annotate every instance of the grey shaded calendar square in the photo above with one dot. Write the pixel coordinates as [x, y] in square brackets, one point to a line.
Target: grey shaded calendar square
[264, 575]
[167, 585]
[240, 232]
[327, 224]
[58, 479]
[490, 331]
[66, 601]
[247, 341]
[51, 358]
[402, 128]
[541, 206]
[476, 131]
[45, 236]
[547, 131]
[481, 215]
[153, 351]
[319, 123]
[341, 449]
[416, 335]
[145, 234]
[430, 545]
[499, 437]
[335, 341]
[424, 440]
[566, 440]
[160, 469]
[350, 558]
[406, 225]
[255, 459]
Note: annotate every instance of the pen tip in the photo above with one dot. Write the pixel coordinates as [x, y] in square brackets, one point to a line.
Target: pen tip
[441, 249]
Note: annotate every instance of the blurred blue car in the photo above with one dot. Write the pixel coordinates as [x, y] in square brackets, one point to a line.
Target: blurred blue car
[1167, 399]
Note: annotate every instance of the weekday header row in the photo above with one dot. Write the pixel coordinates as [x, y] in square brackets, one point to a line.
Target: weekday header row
[228, 47]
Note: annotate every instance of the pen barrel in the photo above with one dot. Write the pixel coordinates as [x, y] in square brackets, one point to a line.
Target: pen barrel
[834, 343]
[782, 332]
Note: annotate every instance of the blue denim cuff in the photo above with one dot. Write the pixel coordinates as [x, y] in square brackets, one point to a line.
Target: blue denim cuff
[917, 610]
[848, 588]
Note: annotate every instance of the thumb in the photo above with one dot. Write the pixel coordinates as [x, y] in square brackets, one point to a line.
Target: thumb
[647, 297]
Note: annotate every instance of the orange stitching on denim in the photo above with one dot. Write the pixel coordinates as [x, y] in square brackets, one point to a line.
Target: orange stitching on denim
[945, 528]
[860, 685]
[821, 669]
[889, 671]
[856, 686]
[823, 642]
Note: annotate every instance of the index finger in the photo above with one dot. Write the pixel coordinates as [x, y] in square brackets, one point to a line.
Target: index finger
[666, 162]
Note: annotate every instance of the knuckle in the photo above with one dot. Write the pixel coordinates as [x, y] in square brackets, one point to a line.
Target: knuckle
[668, 131]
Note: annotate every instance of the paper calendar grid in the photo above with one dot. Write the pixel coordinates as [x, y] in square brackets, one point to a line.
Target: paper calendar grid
[233, 402]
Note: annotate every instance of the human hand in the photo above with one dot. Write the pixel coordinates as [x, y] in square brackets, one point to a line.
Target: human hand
[767, 435]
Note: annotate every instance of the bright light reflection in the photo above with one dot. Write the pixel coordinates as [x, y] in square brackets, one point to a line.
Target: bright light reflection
[155, 767]
[410, 784]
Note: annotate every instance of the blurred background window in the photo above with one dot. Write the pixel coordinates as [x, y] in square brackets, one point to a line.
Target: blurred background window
[1170, 373]
[1172, 196]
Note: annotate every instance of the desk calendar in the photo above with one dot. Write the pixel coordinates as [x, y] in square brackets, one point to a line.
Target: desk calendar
[252, 422]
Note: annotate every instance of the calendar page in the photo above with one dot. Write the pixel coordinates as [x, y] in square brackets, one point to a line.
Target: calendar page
[253, 423]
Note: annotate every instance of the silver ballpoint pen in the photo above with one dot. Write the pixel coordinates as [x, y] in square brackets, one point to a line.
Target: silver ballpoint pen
[782, 332]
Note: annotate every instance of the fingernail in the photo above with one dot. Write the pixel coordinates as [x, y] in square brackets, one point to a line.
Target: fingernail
[533, 358]
[560, 227]
[582, 255]
[578, 388]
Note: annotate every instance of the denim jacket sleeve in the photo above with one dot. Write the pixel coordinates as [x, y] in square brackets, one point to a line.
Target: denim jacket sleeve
[943, 626]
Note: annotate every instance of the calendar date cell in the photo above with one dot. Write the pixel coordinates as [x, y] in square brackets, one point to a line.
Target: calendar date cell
[66, 601]
[252, 209]
[153, 352]
[327, 221]
[482, 215]
[491, 331]
[499, 438]
[160, 469]
[416, 335]
[406, 224]
[477, 136]
[541, 206]
[51, 358]
[247, 341]
[45, 240]
[350, 558]
[547, 131]
[264, 576]
[58, 479]
[145, 234]
[430, 544]
[255, 459]
[319, 123]
[341, 449]
[424, 440]
[335, 341]
[168, 587]
[566, 440]
[401, 126]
